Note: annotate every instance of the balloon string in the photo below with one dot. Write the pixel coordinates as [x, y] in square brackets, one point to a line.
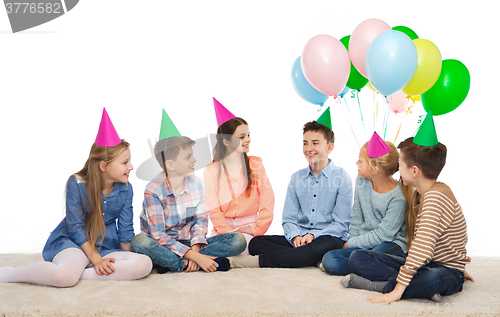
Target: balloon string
[386, 121]
[360, 112]
[408, 111]
[348, 115]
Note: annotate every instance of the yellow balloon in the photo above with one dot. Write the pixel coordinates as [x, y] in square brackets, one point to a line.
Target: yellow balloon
[428, 68]
[415, 98]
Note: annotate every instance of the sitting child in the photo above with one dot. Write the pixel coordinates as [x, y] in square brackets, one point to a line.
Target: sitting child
[436, 259]
[173, 218]
[378, 214]
[317, 208]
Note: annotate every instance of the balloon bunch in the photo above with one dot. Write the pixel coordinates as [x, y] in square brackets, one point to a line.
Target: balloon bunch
[394, 61]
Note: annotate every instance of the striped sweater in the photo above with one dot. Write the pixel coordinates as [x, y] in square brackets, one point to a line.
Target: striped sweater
[440, 233]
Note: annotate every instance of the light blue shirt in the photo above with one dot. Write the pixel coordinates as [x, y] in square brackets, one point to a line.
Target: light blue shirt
[318, 205]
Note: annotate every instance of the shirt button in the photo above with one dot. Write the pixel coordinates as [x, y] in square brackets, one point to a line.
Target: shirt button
[311, 223]
[104, 201]
[317, 182]
[313, 209]
[314, 195]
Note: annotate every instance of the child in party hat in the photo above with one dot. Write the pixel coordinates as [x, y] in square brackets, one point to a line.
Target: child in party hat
[92, 241]
[378, 213]
[437, 256]
[238, 194]
[173, 218]
[317, 208]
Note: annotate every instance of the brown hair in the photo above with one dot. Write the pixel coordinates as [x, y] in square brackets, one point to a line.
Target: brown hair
[168, 148]
[429, 159]
[323, 129]
[225, 132]
[92, 176]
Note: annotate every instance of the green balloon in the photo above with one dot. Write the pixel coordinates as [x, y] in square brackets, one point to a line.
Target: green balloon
[450, 90]
[356, 80]
[407, 31]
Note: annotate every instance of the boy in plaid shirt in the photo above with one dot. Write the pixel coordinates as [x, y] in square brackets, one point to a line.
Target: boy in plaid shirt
[174, 220]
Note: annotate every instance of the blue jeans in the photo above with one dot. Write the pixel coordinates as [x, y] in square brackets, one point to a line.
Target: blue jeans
[276, 251]
[430, 279]
[221, 245]
[336, 262]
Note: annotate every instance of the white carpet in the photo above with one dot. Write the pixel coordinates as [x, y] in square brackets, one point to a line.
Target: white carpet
[239, 292]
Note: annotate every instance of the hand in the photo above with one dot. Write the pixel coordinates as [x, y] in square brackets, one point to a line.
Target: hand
[246, 229]
[191, 266]
[104, 266]
[296, 241]
[468, 277]
[308, 238]
[207, 263]
[345, 245]
[388, 298]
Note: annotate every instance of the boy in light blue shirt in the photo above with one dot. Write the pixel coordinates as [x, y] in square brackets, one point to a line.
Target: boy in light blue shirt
[317, 210]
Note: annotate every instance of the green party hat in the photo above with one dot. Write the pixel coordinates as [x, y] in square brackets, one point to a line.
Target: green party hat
[168, 128]
[426, 135]
[325, 118]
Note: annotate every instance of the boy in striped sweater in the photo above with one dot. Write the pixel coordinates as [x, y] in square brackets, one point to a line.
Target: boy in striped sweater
[436, 259]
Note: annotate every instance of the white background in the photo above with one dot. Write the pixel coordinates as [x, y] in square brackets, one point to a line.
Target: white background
[137, 57]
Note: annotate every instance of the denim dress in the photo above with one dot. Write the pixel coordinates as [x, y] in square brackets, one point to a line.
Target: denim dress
[117, 214]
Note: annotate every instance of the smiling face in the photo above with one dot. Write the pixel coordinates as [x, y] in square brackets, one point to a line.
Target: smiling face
[119, 169]
[183, 164]
[240, 140]
[316, 149]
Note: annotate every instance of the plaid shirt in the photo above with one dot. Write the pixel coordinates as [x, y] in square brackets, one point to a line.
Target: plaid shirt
[168, 218]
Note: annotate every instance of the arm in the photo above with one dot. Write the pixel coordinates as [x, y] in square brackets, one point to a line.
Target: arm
[212, 203]
[356, 215]
[435, 218]
[199, 217]
[388, 298]
[266, 200]
[290, 214]
[75, 215]
[125, 220]
[158, 223]
[386, 229]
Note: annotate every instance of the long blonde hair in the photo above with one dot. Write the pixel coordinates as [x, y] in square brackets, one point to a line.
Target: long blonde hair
[92, 175]
[389, 163]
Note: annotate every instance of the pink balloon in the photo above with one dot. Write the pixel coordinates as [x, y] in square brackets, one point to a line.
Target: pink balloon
[398, 103]
[361, 38]
[325, 64]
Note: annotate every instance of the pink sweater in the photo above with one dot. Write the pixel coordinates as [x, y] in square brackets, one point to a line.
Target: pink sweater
[221, 204]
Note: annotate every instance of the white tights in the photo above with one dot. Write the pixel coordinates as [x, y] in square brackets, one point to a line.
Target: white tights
[70, 265]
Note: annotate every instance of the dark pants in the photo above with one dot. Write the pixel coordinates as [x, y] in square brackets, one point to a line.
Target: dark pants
[430, 279]
[276, 251]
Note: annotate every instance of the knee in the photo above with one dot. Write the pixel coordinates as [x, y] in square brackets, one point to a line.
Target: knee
[254, 245]
[66, 277]
[139, 242]
[240, 243]
[143, 266]
[356, 259]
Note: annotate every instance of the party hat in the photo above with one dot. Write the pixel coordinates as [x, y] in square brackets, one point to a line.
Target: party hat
[426, 135]
[377, 147]
[107, 135]
[221, 113]
[325, 118]
[168, 128]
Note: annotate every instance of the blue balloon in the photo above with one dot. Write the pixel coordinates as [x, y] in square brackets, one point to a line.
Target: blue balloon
[391, 61]
[304, 88]
[345, 91]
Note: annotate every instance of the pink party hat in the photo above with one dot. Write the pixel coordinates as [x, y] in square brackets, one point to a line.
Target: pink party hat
[377, 147]
[107, 135]
[221, 113]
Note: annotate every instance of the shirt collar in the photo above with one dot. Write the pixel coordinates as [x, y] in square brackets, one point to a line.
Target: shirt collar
[325, 171]
[168, 190]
